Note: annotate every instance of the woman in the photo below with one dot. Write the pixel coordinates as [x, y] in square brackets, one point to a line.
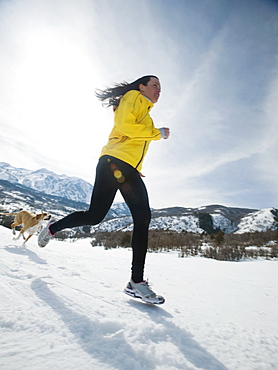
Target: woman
[119, 168]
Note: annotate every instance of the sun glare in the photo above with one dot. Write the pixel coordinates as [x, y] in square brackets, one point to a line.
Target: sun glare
[54, 73]
[53, 90]
[55, 79]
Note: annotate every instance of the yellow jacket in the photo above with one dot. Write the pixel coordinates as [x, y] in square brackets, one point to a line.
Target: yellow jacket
[133, 130]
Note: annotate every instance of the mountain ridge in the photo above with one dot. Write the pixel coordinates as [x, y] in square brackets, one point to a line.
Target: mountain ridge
[19, 194]
[48, 182]
[14, 197]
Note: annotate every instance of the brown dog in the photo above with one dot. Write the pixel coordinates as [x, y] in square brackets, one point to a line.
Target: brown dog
[29, 221]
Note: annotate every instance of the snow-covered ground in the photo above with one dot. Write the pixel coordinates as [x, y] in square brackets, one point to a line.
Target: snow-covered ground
[62, 307]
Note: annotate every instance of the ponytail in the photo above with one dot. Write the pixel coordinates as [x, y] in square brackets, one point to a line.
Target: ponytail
[111, 96]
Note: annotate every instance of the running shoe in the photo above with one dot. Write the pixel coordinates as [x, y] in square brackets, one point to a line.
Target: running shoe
[143, 291]
[45, 235]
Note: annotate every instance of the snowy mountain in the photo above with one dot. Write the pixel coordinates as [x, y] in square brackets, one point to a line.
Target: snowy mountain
[43, 190]
[259, 221]
[197, 220]
[48, 182]
[14, 197]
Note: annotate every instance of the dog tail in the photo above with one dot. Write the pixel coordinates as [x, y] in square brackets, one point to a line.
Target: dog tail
[10, 214]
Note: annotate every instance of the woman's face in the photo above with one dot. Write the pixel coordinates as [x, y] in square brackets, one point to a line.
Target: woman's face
[151, 90]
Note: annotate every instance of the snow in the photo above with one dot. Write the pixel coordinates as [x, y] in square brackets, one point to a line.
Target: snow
[223, 223]
[62, 307]
[189, 223]
[257, 221]
[49, 182]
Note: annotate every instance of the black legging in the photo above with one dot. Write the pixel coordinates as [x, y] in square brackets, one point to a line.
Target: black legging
[113, 174]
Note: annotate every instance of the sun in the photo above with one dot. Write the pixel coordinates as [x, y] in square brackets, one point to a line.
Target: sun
[52, 87]
[55, 73]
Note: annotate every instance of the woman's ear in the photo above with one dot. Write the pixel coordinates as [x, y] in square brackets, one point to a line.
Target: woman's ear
[141, 87]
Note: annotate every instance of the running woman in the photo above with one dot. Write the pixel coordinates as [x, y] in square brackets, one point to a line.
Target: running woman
[119, 168]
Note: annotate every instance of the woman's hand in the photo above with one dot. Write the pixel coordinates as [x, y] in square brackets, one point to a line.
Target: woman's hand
[166, 132]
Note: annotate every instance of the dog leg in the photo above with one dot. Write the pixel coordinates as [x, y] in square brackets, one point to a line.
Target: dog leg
[22, 233]
[16, 238]
[13, 225]
[26, 240]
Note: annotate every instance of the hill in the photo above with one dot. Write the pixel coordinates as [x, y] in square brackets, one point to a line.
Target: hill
[48, 182]
[212, 218]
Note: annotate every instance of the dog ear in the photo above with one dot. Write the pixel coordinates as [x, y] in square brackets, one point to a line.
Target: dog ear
[38, 216]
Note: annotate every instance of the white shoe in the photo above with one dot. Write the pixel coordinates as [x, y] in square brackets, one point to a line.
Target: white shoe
[45, 235]
[143, 291]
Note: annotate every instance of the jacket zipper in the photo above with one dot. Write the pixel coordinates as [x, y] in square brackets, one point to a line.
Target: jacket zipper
[145, 115]
[142, 156]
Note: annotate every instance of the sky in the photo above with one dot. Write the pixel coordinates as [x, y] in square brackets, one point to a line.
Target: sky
[217, 61]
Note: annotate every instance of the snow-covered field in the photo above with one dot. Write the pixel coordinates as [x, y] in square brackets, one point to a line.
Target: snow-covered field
[62, 307]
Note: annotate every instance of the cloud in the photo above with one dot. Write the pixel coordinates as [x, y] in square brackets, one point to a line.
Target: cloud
[220, 113]
[268, 161]
[217, 62]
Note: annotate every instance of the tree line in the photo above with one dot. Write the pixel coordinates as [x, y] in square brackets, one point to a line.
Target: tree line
[220, 246]
[216, 244]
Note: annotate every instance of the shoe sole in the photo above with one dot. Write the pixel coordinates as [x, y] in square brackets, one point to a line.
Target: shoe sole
[133, 294]
[42, 243]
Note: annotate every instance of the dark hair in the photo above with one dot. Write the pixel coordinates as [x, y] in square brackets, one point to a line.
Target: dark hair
[111, 96]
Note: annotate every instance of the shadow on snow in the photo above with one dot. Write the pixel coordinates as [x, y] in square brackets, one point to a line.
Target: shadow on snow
[190, 349]
[106, 341]
[25, 252]
[103, 341]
